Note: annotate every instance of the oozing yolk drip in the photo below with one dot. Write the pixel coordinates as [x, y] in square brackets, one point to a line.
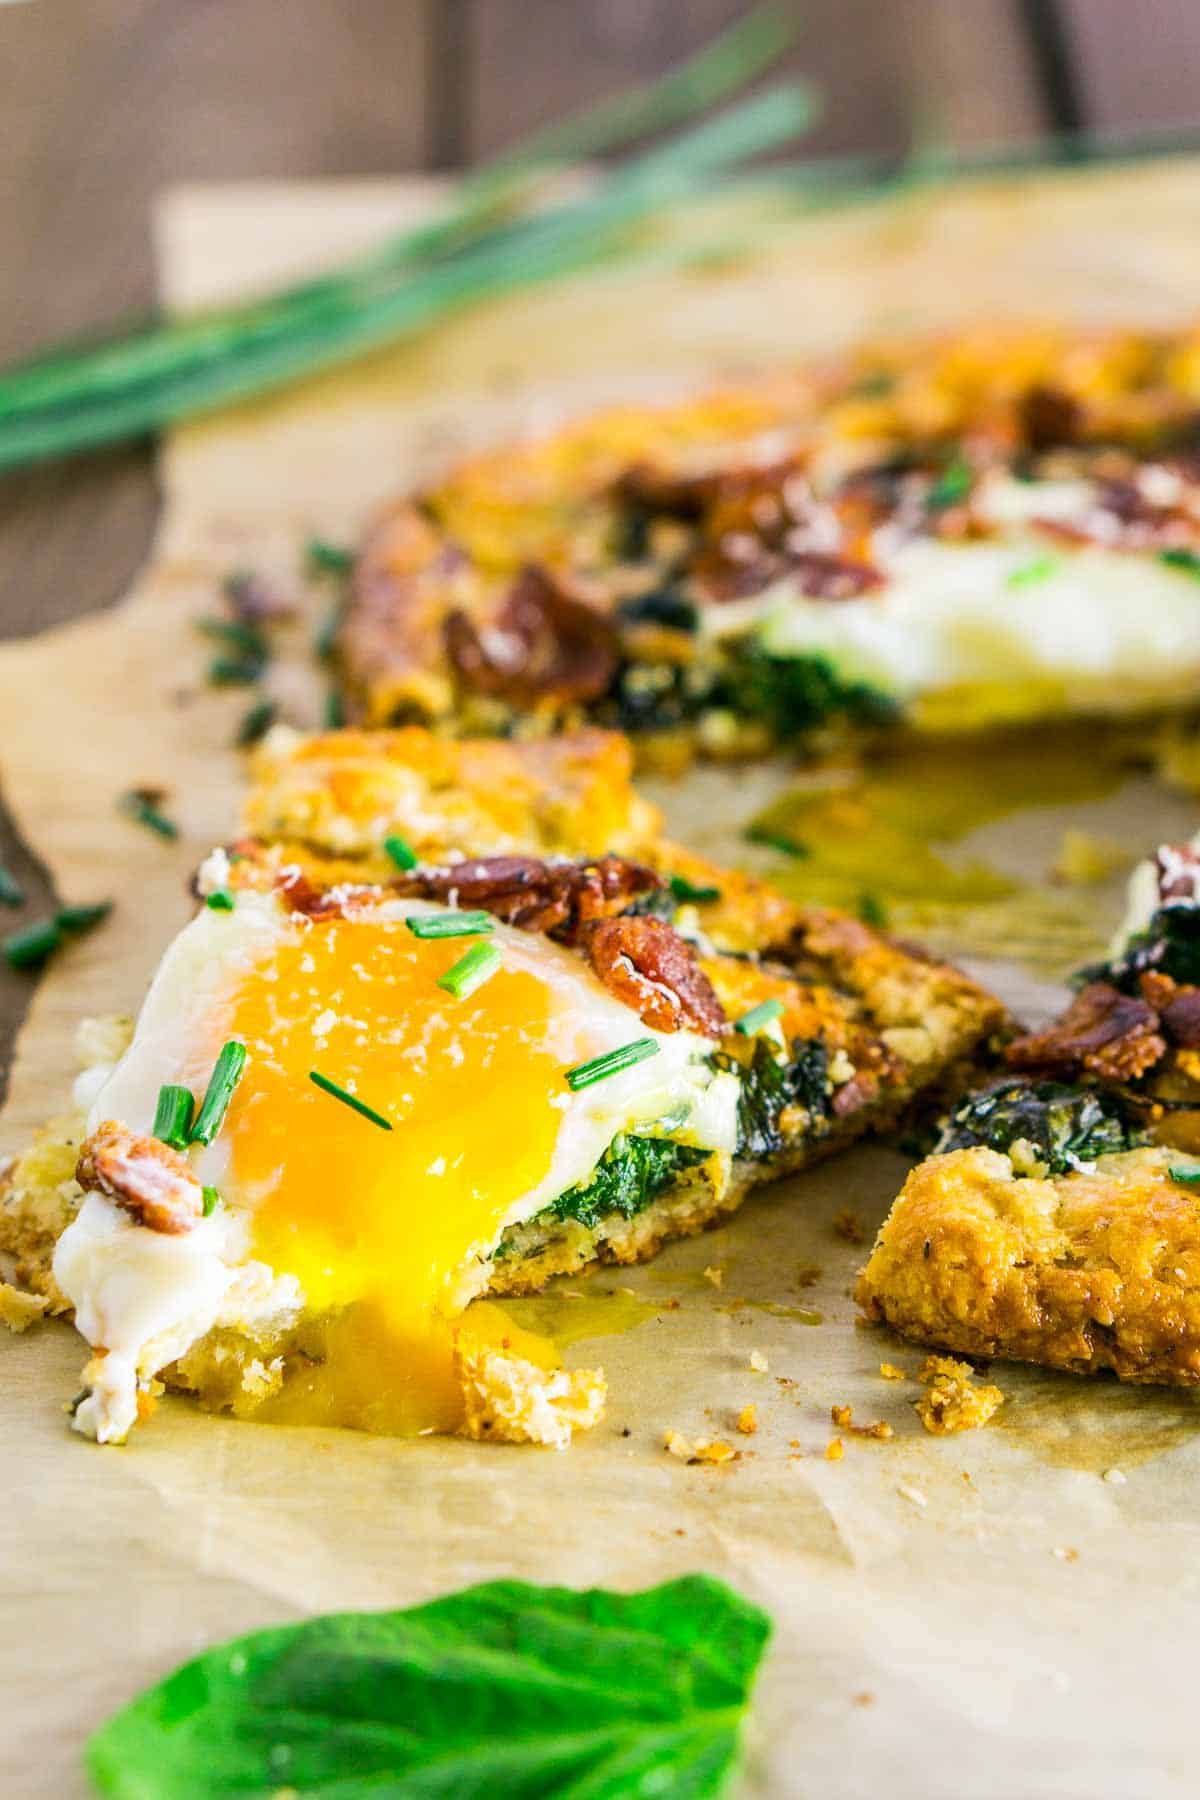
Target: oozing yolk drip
[374, 1223]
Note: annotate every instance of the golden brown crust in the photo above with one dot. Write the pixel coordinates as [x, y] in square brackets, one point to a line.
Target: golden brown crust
[1084, 1272]
[501, 595]
[341, 793]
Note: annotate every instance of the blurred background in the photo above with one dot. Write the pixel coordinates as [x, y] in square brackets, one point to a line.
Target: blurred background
[108, 101]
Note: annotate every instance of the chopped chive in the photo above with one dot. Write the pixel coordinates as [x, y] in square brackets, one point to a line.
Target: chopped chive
[11, 893]
[1188, 1177]
[951, 486]
[872, 911]
[335, 711]
[450, 924]
[1038, 570]
[77, 919]
[139, 804]
[29, 947]
[246, 639]
[173, 1116]
[339, 1093]
[220, 900]
[1186, 560]
[328, 559]
[33, 944]
[226, 1074]
[685, 890]
[212, 1199]
[401, 853]
[611, 1063]
[775, 840]
[765, 1013]
[255, 723]
[326, 639]
[234, 671]
[478, 965]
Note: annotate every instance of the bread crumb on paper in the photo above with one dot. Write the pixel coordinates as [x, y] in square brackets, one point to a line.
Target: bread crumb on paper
[913, 1495]
[843, 1418]
[835, 1450]
[747, 1420]
[714, 1275]
[701, 1450]
[758, 1362]
[953, 1402]
[19, 1310]
[849, 1227]
[890, 1372]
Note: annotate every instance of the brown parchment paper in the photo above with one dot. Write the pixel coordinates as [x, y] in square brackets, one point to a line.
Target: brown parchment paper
[1012, 1612]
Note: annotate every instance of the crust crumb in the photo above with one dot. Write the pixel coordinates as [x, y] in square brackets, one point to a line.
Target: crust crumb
[716, 1276]
[953, 1402]
[758, 1362]
[511, 1401]
[747, 1420]
[834, 1450]
[702, 1450]
[849, 1227]
[843, 1418]
[19, 1310]
[890, 1372]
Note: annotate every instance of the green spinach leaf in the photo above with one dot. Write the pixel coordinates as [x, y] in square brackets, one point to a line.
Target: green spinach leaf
[502, 1690]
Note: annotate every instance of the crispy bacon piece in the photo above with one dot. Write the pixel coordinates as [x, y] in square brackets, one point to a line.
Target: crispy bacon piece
[646, 964]
[1049, 416]
[559, 898]
[543, 643]
[859, 1091]
[733, 570]
[1114, 1035]
[149, 1180]
[1178, 1008]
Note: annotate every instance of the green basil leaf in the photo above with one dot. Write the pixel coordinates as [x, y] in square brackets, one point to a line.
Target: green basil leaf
[502, 1690]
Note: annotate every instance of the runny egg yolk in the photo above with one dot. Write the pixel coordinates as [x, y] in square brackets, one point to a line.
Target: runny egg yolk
[373, 1222]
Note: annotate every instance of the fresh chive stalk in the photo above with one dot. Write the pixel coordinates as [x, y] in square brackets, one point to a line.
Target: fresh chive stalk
[350, 1100]
[335, 712]
[234, 671]
[585, 1074]
[1185, 560]
[125, 388]
[485, 200]
[211, 1201]
[30, 947]
[775, 840]
[685, 891]
[471, 970]
[255, 723]
[450, 924]
[34, 944]
[140, 807]
[872, 911]
[952, 486]
[1188, 1177]
[327, 559]
[246, 639]
[220, 900]
[227, 1072]
[401, 853]
[11, 892]
[1040, 569]
[326, 639]
[173, 1116]
[765, 1013]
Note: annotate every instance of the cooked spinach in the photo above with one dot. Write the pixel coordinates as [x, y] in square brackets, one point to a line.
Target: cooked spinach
[792, 694]
[768, 1086]
[1067, 1126]
[631, 1174]
[1169, 944]
[662, 606]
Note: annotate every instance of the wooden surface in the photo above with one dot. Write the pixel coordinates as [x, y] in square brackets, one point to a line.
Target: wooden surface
[107, 102]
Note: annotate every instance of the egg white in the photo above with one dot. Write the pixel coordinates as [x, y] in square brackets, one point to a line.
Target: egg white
[1100, 622]
[145, 1297]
